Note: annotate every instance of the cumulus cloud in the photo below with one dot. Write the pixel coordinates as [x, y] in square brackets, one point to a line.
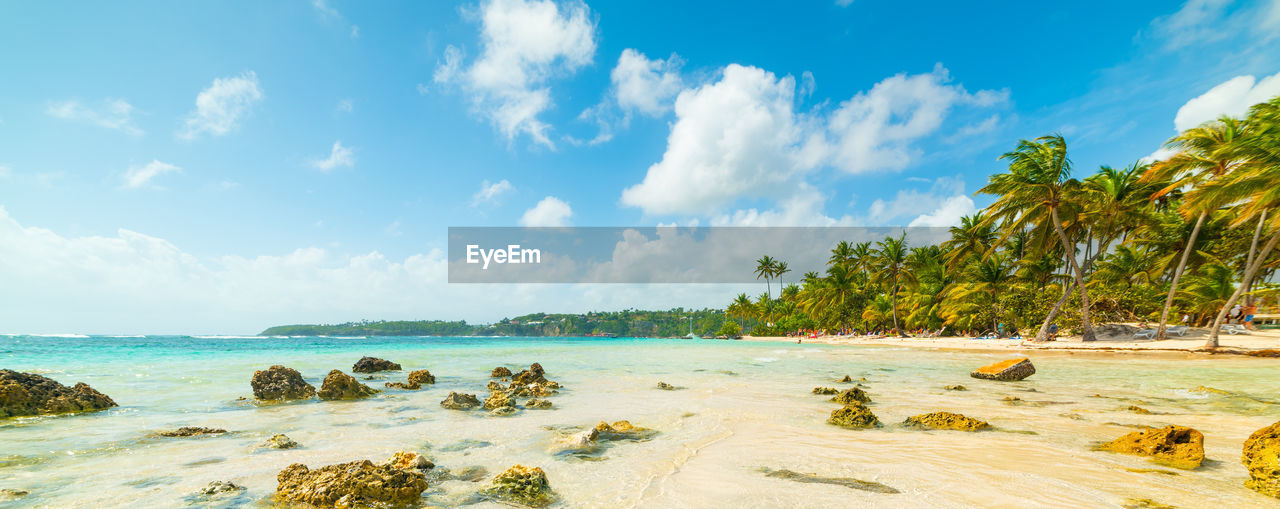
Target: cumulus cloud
[645, 85]
[220, 107]
[941, 205]
[741, 138]
[947, 214]
[138, 176]
[338, 156]
[328, 12]
[489, 192]
[551, 211]
[1232, 97]
[524, 44]
[111, 114]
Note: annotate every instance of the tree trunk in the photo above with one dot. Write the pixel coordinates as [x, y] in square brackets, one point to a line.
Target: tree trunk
[1253, 248]
[1087, 328]
[893, 305]
[1043, 333]
[1248, 278]
[1177, 274]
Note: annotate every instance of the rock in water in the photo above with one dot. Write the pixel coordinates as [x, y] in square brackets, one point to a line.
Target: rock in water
[955, 388]
[339, 385]
[1006, 371]
[278, 441]
[217, 488]
[421, 376]
[280, 383]
[622, 430]
[1261, 456]
[852, 395]
[458, 401]
[498, 400]
[358, 483]
[522, 485]
[946, 420]
[191, 431]
[402, 385]
[374, 365]
[1174, 446]
[846, 380]
[9, 494]
[500, 372]
[855, 415]
[849, 482]
[407, 460]
[666, 386]
[826, 391]
[536, 403]
[32, 394]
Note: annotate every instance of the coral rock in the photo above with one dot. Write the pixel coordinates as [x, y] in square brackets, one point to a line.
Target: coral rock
[946, 420]
[421, 376]
[357, 483]
[500, 372]
[666, 386]
[31, 394]
[1174, 446]
[855, 416]
[522, 485]
[499, 400]
[339, 385]
[374, 365]
[278, 441]
[1261, 455]
[459, 401]
[622, 430]
[1006, 371]
[405, 460]
[541, 404]
[955, 388]
[852, 395]
[280, 383]
[826, 391]
[190, 431]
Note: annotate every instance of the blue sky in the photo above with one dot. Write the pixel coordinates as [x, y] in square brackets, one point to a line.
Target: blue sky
[222, 167]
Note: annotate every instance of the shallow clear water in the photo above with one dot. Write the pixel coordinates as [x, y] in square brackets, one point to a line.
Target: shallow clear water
[745, 405]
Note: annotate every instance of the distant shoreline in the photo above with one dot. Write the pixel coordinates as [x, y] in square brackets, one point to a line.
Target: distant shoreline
[1193, 342]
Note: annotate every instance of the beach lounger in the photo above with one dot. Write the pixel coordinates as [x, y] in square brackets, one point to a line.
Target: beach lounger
[1145, 333]
[1234, 329]
[1180, 330]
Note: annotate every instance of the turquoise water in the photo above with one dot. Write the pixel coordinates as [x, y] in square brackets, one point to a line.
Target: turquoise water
[743, 406]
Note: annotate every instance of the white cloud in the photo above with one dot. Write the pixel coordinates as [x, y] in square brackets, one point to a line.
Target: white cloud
[947, 214]
[741, 138]
[1232, 97]
[524, 43]
[941, 205]
[844, 3]
[219, 107]
[1160, 154]
[338, 156]
[551, 211]
[490, 191]
[644, 85]
[328, 12]
[112, 114]
[1197, 21]
[345, 106]
[138, 176]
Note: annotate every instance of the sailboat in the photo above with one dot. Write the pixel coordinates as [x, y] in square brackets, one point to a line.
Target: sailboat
[691, 334]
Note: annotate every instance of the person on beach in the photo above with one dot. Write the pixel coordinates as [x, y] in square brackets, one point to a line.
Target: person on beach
[1186, 319]
[1053, 331]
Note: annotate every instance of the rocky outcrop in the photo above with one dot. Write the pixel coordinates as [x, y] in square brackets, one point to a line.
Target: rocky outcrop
[946, 420]
[846, 380]
[1261, 455]
[339, 385]
[408, 460]
[374, 365]
[495, 385]
[459, 401]
[1174, 446]
[279, 383]
[421, 377]
[622, 430]
[855, 416]
[522, 485]
[32, 394]
[1006, 371]
[826, 391]
[499, 400]
[533, 375]
[220, 488]
[851, 395]
[539, 404]
[402, 385]
[504, 411]
[191, 431]
[278, 441]
[666, 386]
[499, 372]
[353, 484]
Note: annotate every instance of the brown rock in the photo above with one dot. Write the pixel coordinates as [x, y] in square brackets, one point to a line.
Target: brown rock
[851, 395]
[1174, 446]
[622, 430]
[540, 404]
[458, 401]
[280, 383]
[499, 400]
[825, 391]
[358, 483]
[1261, 455]
[499, 372]
[407, 460]
[522, 485]
[190, 431]
[855, 415]
[421, 376]
[374, 365]
[1006, 371]
[339, 385]
[32, 394]
[946, 420]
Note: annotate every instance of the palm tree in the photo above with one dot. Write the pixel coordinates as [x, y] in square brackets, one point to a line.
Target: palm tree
[779, 269]
[1205, 154]
[973, 237]
[742, 308]
[764, 269]
[1033, 192]
[1129, 265]
[890, 259]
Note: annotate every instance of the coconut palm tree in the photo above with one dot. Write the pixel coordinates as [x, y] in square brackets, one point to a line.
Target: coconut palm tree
[779, 269]
[890, 261]
[1205, 154]
[1033, 192]
[973, 237]
[764, 269]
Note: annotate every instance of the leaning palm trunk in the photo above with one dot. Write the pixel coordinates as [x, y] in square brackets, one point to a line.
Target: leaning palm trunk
[1177, 274]
[1043, 333]
[1253, 248]
[1087, 328]
[1244, 283]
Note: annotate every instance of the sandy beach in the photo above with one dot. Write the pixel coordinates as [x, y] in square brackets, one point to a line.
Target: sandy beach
[1193, 341]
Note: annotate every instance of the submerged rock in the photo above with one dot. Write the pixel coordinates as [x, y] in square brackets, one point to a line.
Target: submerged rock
[504, 411]
[522, 485]
[357, 483]
[1006, 371]
[280, 383]
[499, 372]
[855, 416]
[956, 387]
[852, 395]
[1137, 409]
[1174, 446]
[402, 385]
[622, 430]
[458, 401]
[498, 400]
[540, 404]
[946, 420]
[374, 365]
[408, 460]
[9, 494]
[826, 391]
[218, 488]
[339, 385]
[32, 394]
[190, 431]
[847, 482]
[846, 380]
[422, 377]
[278, 441]
[666, 386]
[1261, 455]
[1145, 503]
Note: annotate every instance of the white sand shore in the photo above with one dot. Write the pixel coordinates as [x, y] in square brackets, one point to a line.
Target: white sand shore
[1193, 341]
